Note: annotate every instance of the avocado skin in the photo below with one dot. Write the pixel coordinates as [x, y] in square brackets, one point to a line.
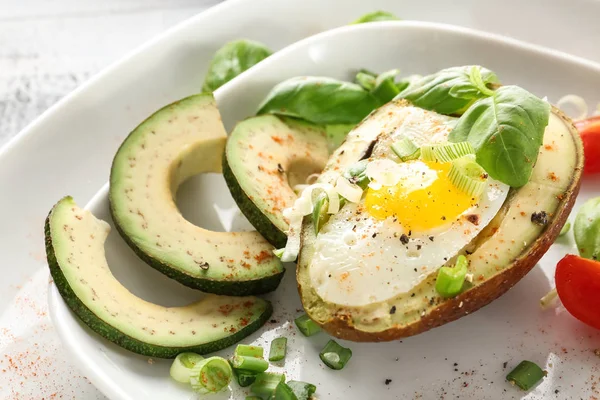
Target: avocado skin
[260, 222]
[464, 304]
[229, 288]
[112, 334]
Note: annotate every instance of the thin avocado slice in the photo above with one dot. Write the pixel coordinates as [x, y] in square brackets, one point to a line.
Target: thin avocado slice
[265, 157]
[502, 253]
[178, 141]
[75, 252]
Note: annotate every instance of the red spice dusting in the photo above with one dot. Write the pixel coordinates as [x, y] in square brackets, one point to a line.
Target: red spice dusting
[246, 265]
[523, 213]
[244, 321]
[277, 139]
[262, 256]
[552, 176]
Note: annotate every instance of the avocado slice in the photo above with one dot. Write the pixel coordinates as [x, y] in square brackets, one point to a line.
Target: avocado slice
[499, 256]
[178, 141]
[265, 157]
[75, 252]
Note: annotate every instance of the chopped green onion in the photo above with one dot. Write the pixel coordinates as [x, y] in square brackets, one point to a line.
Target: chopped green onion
[307, 326]
[367, 81]
[446, 152]
[356, 174]
[319, 214]
[548, 299]
[254, 398]
[302, 390]
[468, 176]
[252, 364]
[334, 355]
[278, 349]
[245, 378]
[284, 392]
[249, 351]
[182, 366]
[565, 229]
[266, 382]
[406, 149]
[526, 375]
[211, 375]
[450, 281]
[278, 252]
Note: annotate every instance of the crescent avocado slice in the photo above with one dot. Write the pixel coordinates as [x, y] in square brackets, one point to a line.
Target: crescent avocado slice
[265, 157]
[75, 251]
[178, 141]
[502, 253]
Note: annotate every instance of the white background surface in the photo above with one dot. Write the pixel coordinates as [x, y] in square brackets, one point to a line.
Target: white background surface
[48, 47]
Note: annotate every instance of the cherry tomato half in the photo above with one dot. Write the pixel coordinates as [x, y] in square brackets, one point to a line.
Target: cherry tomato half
[578, 286]
[590, 135]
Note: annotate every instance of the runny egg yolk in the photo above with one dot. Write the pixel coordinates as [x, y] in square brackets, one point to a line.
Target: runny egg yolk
[423, 199]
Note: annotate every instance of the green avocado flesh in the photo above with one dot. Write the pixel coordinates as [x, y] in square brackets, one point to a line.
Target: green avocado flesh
[509, 236]
[265, 158]
[75, 251]
[181, 140]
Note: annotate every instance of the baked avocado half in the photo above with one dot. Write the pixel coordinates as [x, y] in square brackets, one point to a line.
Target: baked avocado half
[265, 157]
[178, 141]
[75, 252]
[521, 231]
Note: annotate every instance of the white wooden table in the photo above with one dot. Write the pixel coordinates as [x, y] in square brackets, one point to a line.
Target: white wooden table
[47, 49]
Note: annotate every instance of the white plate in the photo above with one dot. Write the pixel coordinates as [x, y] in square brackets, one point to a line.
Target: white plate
[509, 330]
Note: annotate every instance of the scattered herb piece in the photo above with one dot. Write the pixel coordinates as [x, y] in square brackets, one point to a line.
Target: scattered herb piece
[450, 281]
[526, 375]
[334, 355]
[278, 349]
[376, 16]
[307, 326]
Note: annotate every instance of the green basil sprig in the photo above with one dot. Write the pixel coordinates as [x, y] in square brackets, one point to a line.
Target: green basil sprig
[382, 86]
[586, 229]
[231, 60]
[506, 131]
[452, 90]
[320, 100]
[376, 16]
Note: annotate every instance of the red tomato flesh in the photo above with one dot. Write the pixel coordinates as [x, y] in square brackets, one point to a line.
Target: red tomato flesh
[589, 130]
[578, 286]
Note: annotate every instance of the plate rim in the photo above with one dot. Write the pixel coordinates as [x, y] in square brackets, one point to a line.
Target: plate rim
[55, 301]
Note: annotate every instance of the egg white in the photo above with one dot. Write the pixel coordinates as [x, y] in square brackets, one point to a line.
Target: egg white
[360, 260]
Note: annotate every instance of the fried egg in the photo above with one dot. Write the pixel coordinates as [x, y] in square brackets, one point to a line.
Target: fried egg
[410, 221]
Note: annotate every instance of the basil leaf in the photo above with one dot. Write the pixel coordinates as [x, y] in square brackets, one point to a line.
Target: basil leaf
[376, 16]
[506, 131]
[450, 91]
[586, 229]
[385, 88]
[366, 81]
[319, 100]
[231, 60]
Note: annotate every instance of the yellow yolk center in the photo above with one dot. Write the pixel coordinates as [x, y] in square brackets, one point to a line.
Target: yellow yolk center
[420, 204]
